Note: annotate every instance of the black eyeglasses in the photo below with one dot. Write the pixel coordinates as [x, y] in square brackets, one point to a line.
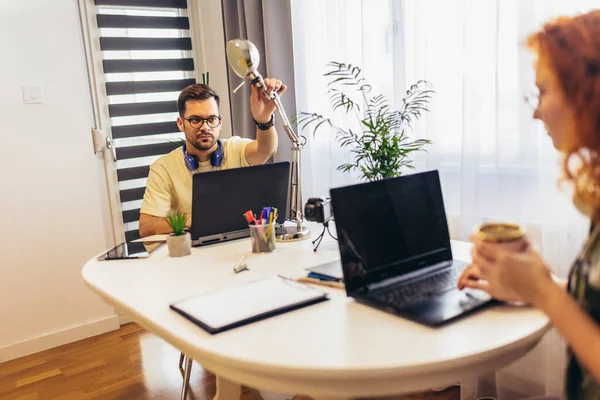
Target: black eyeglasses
[197, 122]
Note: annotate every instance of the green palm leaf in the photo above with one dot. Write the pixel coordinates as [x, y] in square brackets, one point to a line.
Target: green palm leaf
[381, 148]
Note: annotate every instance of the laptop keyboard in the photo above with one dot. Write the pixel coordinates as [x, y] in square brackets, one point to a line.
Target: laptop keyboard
[423, 288]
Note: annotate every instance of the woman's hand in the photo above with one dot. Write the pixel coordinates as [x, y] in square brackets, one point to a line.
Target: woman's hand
[261, 106]
[506, 275]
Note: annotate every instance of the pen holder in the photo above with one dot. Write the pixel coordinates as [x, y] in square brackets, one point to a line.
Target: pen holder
[262, 238]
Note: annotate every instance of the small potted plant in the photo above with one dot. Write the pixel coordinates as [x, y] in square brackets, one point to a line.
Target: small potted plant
[381, 145]
[179, 242]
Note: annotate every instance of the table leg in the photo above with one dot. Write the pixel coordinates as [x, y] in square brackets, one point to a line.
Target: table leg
[186, 378]
[227, 390]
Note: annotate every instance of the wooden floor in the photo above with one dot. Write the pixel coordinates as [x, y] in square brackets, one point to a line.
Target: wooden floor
[128, 364]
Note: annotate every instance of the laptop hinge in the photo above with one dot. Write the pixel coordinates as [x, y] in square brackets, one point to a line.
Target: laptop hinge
[220, 237]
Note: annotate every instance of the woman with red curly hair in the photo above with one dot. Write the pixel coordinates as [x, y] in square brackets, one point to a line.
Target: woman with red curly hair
[568, 79]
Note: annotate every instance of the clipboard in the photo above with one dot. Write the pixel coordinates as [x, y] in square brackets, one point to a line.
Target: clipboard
[247, 303]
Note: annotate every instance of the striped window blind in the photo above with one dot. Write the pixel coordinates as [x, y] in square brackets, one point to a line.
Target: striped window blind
[147, 59]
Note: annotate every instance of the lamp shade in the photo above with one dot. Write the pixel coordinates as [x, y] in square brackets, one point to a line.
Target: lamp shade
[243, 56]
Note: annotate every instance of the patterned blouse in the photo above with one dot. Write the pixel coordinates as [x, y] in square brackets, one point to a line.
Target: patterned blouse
[584, 286]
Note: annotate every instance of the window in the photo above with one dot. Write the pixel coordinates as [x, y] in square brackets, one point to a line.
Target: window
[142, 51]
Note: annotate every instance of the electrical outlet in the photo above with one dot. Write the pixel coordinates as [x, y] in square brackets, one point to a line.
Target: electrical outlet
[33, 94]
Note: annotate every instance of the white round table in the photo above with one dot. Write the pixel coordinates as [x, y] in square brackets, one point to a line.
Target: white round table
[335, 349]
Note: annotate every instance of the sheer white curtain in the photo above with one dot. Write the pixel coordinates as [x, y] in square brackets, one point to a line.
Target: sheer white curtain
[495, 161]
[351, 31]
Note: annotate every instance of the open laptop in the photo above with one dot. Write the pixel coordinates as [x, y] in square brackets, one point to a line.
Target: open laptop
[395, 249]
[220, 199]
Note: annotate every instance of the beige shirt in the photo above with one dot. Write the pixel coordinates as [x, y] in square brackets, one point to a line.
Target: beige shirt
[169, 185]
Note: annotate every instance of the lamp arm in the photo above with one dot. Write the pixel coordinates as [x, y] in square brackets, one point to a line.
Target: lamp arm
[284, 118]
[296, 192]
[296, 205]
[256, 79]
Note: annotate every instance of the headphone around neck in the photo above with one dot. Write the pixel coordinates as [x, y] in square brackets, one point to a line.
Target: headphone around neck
[216, 157]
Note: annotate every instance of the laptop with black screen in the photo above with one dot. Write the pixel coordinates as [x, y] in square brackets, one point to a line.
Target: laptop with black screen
[220, 199]
[395, 249]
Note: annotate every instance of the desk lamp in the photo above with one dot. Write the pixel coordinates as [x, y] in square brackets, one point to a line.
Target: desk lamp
[243, 58]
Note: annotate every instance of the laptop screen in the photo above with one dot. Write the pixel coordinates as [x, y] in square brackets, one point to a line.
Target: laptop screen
[220, 198]
[390, 227]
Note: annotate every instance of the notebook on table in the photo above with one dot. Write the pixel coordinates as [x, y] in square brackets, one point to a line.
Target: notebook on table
[329, 271]
[250, 302]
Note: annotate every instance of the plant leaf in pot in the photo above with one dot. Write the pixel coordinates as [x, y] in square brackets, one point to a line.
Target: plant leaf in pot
[380, 142]
[179, 242]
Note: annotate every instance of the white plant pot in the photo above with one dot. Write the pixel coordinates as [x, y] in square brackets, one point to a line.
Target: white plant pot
[179, 246]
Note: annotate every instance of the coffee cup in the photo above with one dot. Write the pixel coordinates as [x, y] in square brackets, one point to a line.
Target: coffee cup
[510, 236]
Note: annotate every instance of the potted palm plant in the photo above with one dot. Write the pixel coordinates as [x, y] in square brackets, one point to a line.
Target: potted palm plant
[382, 146]
[179, 242]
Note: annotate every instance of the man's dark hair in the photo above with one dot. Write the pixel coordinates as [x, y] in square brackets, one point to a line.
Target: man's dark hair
[197, 91]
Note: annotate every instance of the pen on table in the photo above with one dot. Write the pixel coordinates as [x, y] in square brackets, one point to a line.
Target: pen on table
[337, 285]
[323, 277]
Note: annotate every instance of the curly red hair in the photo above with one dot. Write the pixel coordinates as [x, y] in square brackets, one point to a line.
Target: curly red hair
[570, 48]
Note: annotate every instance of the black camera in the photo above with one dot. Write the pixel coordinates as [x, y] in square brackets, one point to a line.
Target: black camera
[318, 210]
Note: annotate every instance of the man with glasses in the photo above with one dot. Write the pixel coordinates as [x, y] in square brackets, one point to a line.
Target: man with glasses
[169, 185]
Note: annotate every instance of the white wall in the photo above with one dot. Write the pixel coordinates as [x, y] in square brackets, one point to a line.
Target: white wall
[51, 184]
